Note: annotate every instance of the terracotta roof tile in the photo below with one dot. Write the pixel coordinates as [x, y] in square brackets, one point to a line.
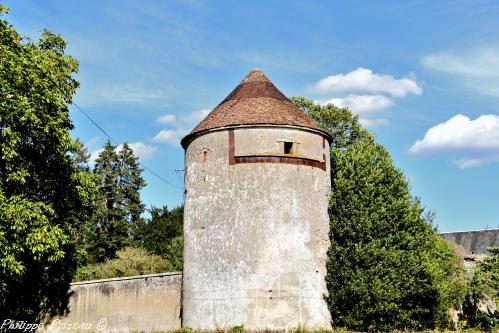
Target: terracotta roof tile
[255, 101]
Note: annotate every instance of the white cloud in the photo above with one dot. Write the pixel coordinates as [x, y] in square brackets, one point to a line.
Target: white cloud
[170, 136]
[465, 163]
[477, 141]
[373, 122]
[365, 92]
[167, 136]
[186, 121]
[364, 80]
[478, 68]
[94, 155]
[182, 126]
[138, 94]
[166, 119]
[140, 149]
[195, 117]
[477, 62]
[361, 104]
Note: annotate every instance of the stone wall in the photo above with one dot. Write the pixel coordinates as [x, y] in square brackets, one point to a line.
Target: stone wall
[132, 304]
[474, 243]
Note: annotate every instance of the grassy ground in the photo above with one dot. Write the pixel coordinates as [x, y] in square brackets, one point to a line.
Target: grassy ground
[239, 329]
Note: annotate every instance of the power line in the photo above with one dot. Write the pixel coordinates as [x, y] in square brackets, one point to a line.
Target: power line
[93, 122]
[114, 141]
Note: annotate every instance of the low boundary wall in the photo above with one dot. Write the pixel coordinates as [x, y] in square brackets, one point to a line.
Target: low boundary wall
[143, 303]
[474, 242]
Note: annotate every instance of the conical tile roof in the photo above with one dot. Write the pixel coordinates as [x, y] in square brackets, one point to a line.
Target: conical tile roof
[255, 101]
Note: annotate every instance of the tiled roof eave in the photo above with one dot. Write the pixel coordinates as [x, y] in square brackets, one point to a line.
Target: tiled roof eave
[191, 136]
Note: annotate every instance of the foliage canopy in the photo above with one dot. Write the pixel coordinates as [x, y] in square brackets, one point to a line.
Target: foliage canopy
[43, 193]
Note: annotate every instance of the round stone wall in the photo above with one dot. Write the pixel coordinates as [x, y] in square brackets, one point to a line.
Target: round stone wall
[256, 229]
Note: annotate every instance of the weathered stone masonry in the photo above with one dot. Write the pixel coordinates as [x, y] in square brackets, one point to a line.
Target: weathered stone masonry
[143, 303]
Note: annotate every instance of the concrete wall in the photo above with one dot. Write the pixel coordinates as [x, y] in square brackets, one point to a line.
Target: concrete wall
[256, 234]
[133, 304]
[474, 242]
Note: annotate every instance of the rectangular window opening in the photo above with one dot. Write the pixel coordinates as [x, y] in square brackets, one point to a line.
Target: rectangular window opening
[288, 147]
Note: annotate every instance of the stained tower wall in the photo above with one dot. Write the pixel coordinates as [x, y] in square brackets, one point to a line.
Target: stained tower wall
[256, 229]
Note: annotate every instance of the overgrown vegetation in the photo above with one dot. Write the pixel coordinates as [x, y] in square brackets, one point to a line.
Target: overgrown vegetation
[481, 305]
[129, 261]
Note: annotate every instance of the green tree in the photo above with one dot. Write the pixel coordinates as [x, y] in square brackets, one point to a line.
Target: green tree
[130, 184]
[119, 205]
[81, 156]
[387, 267]
[109, 230]
[43, 193]
[480, 308]
[344, 127]
[162, 234]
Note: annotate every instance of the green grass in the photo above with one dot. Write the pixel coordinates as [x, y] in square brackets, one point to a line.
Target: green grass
[300, 329]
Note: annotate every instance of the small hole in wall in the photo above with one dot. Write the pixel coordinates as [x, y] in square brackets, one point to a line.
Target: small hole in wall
[270, 290]
[288, 147]
[317, 271]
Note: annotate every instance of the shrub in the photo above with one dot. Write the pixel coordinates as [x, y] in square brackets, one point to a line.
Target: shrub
[130, 261]
[482, 298]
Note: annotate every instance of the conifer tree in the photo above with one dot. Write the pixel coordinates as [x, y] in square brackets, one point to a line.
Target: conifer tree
[81, 155]
[119, 204]
[131, 182]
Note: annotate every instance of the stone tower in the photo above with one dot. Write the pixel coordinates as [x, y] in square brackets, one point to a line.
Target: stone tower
[256, 225]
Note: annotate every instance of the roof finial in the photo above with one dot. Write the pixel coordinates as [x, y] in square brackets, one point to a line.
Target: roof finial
[255, 75]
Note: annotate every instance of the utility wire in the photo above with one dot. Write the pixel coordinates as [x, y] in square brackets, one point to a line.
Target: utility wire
[93, 122]
[114, 141]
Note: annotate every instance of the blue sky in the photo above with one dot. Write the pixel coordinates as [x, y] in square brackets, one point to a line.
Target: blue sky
[422, 75]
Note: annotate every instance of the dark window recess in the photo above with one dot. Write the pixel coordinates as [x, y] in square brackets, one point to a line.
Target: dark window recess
[288, 147]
